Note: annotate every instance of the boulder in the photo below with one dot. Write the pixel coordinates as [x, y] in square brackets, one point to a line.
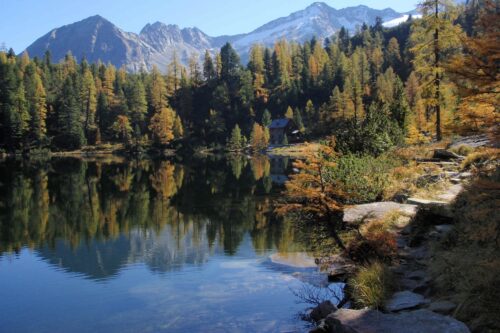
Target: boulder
[443, 307]
[332, 325]
[376, 211]
[434, 207]
[444, 228]
[444, 154]
[405, 300]
[340, 273]
[417, 275]
[322, 310]
[419, 321]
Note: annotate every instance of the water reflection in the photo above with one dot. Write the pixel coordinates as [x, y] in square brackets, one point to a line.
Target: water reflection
[95, 217]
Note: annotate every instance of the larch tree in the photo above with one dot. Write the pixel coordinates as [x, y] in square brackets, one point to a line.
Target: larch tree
[37, 106]
[88, 98]
[161, 126]
[433, 38]
[258, 138]
[122, 128]
[476, 70]
[310, 194]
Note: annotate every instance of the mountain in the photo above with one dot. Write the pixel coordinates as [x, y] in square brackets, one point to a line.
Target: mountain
[318, 20]
[95, 38]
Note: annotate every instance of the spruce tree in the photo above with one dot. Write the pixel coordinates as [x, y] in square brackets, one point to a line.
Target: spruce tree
[70, 125]
[266, 118]
[235, 141]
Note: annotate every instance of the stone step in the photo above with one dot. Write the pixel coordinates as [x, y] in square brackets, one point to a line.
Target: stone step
[418, 321]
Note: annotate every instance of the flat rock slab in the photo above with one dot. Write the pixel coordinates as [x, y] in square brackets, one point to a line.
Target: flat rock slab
[426, 202]
[405, 300]
[419, 321]
[451, 193]
[444, 307]
[376, 210]
[471, 141]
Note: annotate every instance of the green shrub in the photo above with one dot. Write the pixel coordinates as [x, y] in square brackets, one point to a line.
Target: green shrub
[362, 178]
[371, 286]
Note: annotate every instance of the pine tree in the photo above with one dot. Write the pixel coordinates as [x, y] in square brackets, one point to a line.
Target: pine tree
[208, 67]
[400, 110]
[297, 117]
[266, 118]
[335, 103]
[178, 128]
[235, 142]
[18, 116]
[70, 123]
[230, 66]
[137, 104]
[173, 75]
[393, 54]
[102, 115]
[285, 140]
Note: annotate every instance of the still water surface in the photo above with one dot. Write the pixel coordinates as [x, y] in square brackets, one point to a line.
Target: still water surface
[147, 246]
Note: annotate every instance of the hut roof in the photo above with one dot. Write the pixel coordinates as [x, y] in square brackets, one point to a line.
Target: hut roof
[279, 123]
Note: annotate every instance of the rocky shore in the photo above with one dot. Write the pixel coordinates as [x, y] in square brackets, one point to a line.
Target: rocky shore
[414, 306]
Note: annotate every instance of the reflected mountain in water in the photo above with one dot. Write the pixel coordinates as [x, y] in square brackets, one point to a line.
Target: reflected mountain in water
[96, 217]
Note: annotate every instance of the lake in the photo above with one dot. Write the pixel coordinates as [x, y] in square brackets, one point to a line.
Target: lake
[149, 246]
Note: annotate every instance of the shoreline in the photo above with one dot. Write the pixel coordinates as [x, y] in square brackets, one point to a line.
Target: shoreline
[419, 224]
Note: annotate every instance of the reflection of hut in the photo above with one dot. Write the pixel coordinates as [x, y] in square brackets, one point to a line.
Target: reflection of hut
[279, 168]
[281, 127]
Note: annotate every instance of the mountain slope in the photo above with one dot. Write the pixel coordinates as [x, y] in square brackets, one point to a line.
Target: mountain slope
[319, 20]
[95, 38]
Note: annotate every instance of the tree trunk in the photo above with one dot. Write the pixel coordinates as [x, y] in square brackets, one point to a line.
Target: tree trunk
[437, 79]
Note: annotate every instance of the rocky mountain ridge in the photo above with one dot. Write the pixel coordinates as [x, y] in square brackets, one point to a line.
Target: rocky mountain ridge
[96, 38]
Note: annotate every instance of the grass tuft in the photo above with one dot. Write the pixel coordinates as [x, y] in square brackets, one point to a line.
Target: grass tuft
[371, 286]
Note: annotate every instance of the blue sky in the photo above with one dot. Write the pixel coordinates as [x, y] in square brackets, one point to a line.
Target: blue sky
[23, 21]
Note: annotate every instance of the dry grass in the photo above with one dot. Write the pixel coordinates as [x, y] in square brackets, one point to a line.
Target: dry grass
[463, 150]
[480, 157]
[467, 263]
[407, 179]
[371, 286]
[411, 153]
[300, 150]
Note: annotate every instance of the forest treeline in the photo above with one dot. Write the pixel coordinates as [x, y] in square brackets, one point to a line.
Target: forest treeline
[378, 88]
